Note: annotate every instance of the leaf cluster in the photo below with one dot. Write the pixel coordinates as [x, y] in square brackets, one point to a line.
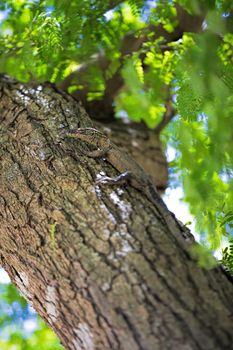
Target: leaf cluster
[227, 257]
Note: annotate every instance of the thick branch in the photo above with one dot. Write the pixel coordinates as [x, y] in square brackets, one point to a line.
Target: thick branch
[168, 115]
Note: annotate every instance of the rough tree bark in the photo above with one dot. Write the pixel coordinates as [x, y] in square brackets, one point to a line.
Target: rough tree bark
[98, 264]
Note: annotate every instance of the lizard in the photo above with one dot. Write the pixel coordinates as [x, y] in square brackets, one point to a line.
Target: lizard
[129, 170]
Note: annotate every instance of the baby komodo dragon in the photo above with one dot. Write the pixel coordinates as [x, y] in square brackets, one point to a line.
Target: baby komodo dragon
[130, 171]
[122, 162]
[119, 159]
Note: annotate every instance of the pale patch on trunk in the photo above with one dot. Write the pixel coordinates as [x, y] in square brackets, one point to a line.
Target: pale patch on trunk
[51, 303]
[84, 337]
[125, 208]
[122, 240]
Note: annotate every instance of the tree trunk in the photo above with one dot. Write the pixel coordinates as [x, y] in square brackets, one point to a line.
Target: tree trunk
[98, 264]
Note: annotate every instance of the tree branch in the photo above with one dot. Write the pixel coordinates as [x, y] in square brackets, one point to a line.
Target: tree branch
[168, 115]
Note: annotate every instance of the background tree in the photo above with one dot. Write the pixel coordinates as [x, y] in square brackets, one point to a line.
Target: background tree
[153, 63]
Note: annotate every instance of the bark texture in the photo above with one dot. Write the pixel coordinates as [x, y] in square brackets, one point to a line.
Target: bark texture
[99, 264]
